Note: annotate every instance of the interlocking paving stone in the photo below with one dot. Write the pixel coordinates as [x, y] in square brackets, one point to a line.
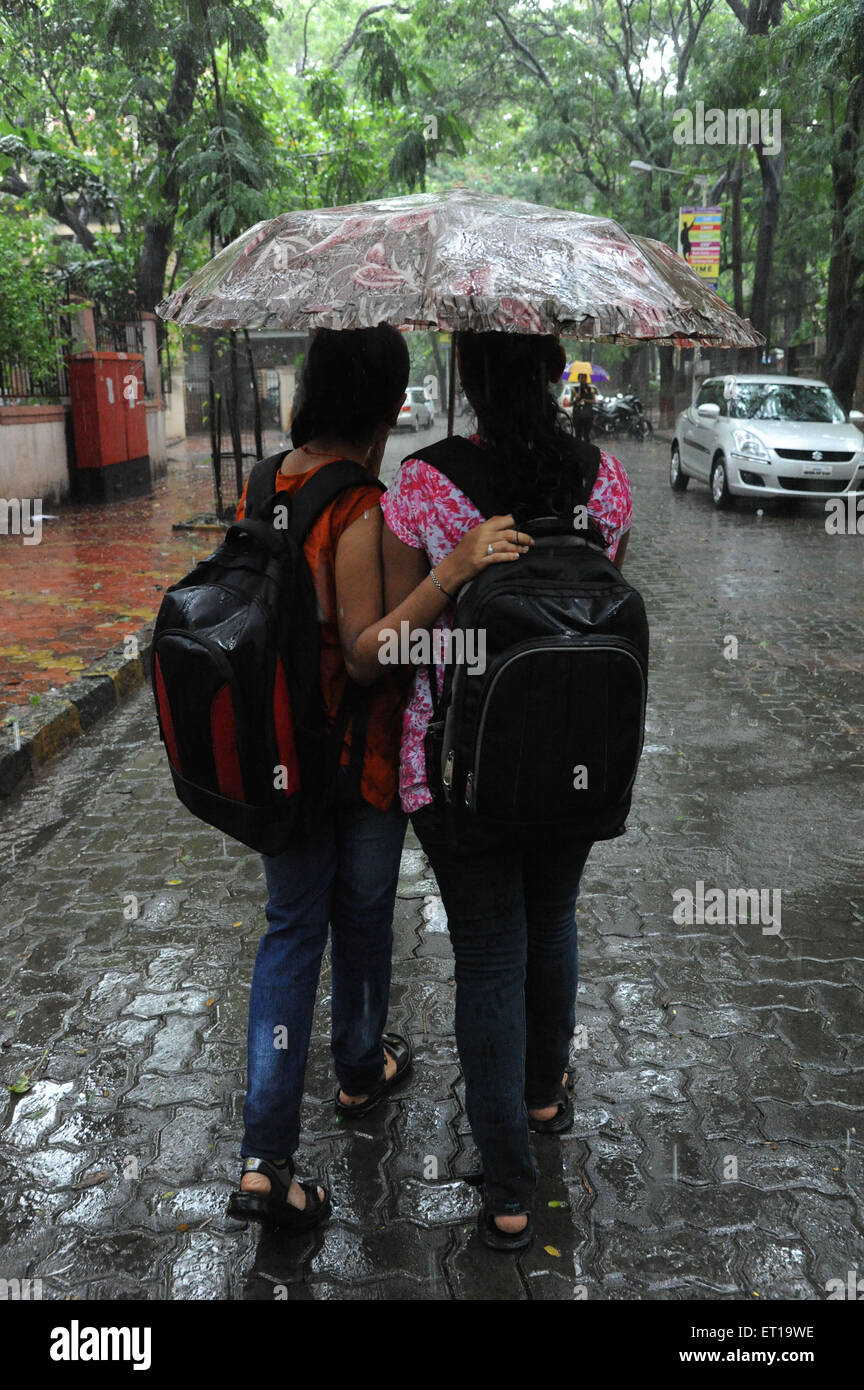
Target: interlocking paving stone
[719, 1070]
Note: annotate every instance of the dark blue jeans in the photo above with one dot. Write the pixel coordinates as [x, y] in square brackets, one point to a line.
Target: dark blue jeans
[512, 921]
[346, 877]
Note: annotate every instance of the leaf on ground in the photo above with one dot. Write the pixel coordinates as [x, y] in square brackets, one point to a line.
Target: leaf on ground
[11, 1013]
[24, 1079]
[550, 1250]
[556, 1204]
[165, 1195]
[209, 1002]
[93, 1178]
[184, 1226]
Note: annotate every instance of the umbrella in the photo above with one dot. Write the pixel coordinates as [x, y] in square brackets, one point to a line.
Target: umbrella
[577, 369]
[456, 261]
[599, 373]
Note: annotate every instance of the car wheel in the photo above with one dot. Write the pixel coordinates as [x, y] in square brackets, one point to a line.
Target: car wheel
[678, 479]
[720, 494]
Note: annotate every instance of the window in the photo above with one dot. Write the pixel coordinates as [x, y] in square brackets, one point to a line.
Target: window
[712, 394]
[785, 400]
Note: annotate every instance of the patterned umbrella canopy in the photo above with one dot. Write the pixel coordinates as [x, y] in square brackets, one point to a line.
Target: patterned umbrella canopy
[456, 261]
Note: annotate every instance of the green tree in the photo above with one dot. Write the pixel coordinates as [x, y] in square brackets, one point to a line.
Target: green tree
[832, 38]
[30, 297]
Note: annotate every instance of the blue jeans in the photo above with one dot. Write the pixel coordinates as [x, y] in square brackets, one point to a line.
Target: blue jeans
[512, 921]
[344, 876]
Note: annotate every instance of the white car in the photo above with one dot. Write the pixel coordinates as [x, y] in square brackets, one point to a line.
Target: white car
[418, 409]
[784, 437]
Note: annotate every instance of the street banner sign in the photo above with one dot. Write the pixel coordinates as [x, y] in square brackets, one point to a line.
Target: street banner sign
[699, 241]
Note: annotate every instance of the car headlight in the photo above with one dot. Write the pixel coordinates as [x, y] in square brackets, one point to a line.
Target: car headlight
[750, 445]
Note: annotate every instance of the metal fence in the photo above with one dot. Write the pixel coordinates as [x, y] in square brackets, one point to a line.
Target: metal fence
[17, 382]
[118, 328]
[120, 331]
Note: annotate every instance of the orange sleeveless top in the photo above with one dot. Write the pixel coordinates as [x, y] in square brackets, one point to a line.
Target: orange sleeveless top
[380, 777]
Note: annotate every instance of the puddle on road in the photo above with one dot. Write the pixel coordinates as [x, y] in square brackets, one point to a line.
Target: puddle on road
[433, 914]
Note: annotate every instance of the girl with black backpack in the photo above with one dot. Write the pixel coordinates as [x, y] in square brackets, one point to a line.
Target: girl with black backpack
[343, 873]
[511, 912]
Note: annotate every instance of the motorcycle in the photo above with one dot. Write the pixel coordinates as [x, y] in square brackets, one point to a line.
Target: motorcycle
[619, 415]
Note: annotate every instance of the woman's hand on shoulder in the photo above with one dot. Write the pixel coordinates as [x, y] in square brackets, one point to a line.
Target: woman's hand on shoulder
[492, 542]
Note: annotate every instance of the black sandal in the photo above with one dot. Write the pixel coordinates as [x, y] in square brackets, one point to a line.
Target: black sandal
[559, 1123]
[494, 1238]
[273, 1207]
[400, 1049]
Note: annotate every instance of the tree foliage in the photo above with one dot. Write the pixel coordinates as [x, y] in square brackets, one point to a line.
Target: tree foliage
[153, 131]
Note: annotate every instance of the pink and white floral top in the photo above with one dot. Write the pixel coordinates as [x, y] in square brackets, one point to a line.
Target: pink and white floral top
[429, 512]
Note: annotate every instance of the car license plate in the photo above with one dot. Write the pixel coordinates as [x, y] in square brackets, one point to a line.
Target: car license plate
[817, 470]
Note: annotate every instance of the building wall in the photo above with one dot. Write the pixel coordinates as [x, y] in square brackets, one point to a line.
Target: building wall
[34, 456]
[156, 441]
[33, 453]
[175, 405]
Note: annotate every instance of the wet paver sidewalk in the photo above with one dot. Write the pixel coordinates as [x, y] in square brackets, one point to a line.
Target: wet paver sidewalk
[717, 1150]
[97, 575]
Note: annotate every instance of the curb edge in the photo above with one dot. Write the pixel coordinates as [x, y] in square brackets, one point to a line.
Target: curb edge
[62, 717]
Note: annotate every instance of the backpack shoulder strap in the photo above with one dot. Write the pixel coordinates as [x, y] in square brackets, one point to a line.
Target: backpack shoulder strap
[466, 466]
[323, 488]
[262, 484]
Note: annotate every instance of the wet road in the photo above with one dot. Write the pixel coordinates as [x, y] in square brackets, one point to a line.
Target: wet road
[717, 1150]
[98, 573]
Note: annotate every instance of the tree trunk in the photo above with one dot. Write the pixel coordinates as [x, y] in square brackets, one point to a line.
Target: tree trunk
[844, 327]
[234, 412]
[666, 415]
[760, 17]
[214, 411]
[440, 369]
[256, 399]
[736, 175]
[635, 366]
[771, 169]
[159, 230]
[667, 387]
[763, 15]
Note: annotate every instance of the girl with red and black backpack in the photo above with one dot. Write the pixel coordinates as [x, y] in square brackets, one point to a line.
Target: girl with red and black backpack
[342, 871]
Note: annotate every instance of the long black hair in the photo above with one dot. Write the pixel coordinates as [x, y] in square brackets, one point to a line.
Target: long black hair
[540, 468]
[351, 381]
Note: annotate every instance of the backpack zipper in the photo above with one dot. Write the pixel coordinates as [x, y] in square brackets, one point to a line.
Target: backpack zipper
[217, 653]
[619, 644]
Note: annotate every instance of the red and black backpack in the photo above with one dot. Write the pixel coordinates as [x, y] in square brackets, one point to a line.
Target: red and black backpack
[236, 671]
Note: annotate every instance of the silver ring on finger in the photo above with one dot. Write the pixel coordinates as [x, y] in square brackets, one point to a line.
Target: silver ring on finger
[490, 549]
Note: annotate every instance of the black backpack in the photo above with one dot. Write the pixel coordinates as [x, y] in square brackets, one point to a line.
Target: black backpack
[236, 673]
[542, 747]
